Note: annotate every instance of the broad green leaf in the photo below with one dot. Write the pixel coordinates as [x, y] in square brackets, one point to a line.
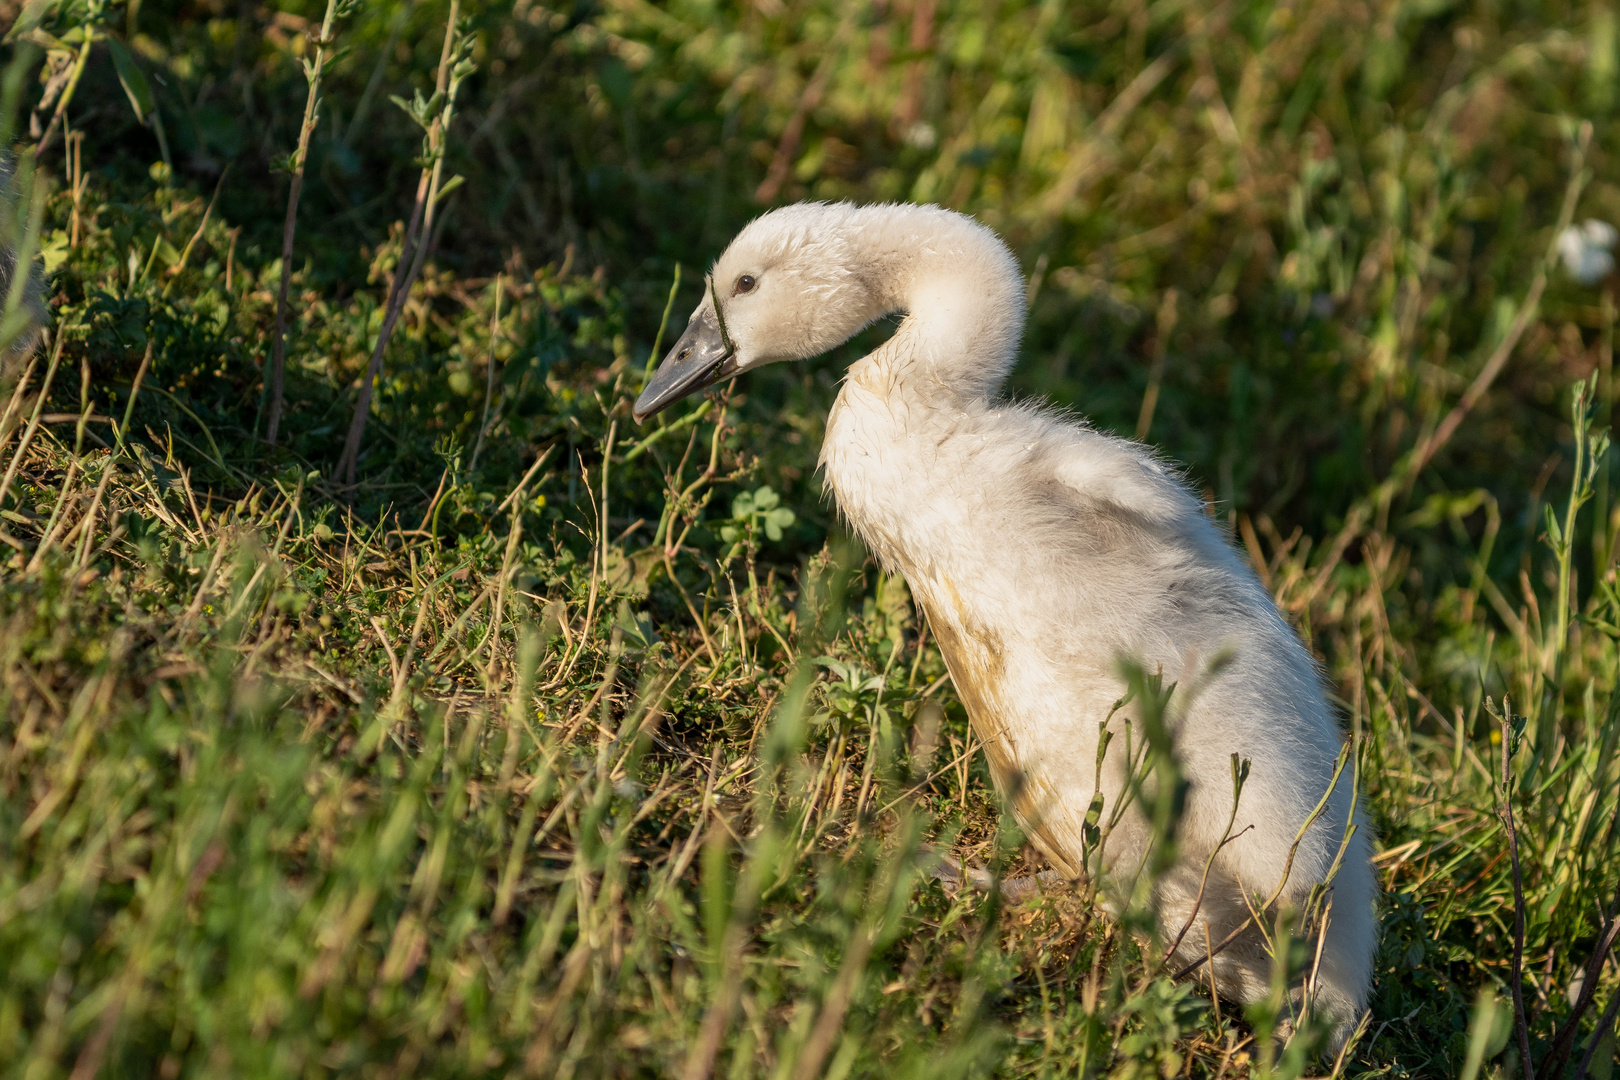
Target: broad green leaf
[31, 17]
[132, 79]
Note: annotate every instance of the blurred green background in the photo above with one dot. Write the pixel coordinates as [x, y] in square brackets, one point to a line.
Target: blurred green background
[1312, 218]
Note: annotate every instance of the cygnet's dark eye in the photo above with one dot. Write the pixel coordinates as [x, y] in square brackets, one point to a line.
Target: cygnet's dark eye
[745, 284]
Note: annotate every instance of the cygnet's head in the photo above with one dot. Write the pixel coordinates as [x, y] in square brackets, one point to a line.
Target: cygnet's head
[785, 289]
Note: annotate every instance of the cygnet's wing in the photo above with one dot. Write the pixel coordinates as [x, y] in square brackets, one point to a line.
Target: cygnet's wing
[1091, 533]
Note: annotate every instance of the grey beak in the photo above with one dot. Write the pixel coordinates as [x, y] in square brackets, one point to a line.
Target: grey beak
[698, 360]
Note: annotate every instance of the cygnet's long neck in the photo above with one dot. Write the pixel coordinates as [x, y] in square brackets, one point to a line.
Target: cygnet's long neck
[888, 439]
[963, 296]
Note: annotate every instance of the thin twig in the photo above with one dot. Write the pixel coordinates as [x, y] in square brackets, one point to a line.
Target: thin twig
[1605, 1024]
[1518, 890]
[517, 493]
[414, 249]
[1240, 773]
[1288, 869]
[489, 381]
[185, 256]
[1564, 1045]
[312, 102]
[78, 182]
[121, 432]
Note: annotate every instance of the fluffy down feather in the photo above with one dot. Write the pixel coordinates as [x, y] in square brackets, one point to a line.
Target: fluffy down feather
[1044, 553]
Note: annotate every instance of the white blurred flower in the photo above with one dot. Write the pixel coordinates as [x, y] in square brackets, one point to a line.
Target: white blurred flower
[1587, 250]
[920, 136]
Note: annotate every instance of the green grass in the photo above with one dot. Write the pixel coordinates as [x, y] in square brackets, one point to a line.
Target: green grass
[559, 746]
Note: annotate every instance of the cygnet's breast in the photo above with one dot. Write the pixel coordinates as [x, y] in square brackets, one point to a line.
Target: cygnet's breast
[881, 458]
[919, 486]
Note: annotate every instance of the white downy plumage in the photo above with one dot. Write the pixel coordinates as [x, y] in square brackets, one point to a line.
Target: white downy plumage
[1044, 554]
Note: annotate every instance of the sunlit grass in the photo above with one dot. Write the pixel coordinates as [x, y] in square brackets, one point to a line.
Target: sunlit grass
[558, 746]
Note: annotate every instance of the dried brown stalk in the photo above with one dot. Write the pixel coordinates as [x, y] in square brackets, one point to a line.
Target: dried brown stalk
[67, 95]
